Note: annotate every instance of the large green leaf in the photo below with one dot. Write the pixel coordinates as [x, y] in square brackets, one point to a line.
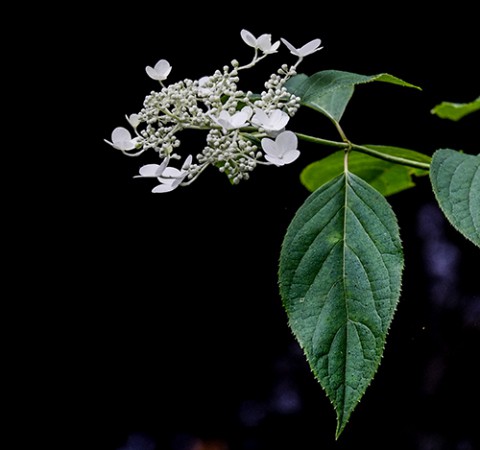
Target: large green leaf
[329, 91]
[386, 177]
[455, 180]
[340, 274]
[455, 111]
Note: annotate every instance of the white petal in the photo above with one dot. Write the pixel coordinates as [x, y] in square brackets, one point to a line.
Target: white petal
[226, 124]
[121, 134]
[264, 42]
[178, 180]
[151, 170]
[204, 80]
[290, 47]
[163, 188]
[163, 66]
[169, 175]
[187, 163]
[310, 47]
[278, 119]
[134, 120]
[270, 147]
[248, 38]
[152, 73]
[239, 119]
[274, 160]
[224, 115]
[290, 156]
[248, 111]
[260, 117]
[274, 47]
[287, 141]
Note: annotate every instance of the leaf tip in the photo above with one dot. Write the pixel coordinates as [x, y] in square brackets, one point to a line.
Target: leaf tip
[339, 430]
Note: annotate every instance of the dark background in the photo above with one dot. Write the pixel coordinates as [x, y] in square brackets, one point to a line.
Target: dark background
[154, 321]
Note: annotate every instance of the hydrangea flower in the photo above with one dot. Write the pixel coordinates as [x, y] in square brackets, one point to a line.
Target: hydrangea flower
[283, 150]
[237, 120]
[233, 118]
[271, 122]
[307, 49]
[122, 140]
[263, 43]
[171, 177]
[161, 70]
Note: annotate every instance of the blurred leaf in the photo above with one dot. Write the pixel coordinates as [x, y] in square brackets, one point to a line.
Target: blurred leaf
[386, 177]
[455, 180]
[329, 91]
[455, 111]
[340, 273]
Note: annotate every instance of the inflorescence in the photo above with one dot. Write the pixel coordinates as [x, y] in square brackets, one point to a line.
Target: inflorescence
[243, 129]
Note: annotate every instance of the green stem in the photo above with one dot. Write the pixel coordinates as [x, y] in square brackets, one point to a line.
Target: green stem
[366, 150]
[316, 140]
[391, 158]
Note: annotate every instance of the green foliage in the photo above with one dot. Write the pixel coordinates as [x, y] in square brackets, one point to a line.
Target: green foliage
[387, 177]
[455, 111]
[455, 180]
[341, 259]
[340, 273]
[329, 91]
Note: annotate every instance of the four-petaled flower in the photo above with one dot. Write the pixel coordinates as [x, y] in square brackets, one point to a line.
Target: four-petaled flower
[169, 177]
[282, 150]
[161, 70]
[271, 122]
[232, 122]
[122, 140]
[263, 43]
[307, 49]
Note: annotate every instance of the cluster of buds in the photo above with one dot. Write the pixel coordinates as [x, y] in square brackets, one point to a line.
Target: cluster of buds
[243, 129]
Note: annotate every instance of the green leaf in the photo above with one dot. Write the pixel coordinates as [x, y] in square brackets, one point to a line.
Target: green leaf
[329, 91]
[455, 111]
[455, 180]
[386, 177]
[340, 273]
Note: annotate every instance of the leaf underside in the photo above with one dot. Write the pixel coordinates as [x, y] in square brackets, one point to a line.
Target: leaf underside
[455, 179]
[340, 275]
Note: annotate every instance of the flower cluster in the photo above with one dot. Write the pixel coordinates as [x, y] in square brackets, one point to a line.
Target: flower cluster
[243, 129]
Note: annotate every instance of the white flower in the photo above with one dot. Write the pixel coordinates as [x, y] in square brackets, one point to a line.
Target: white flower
[307, 49]
[170, 177]
[152, 170]
[263, 43]
[235, 121]
[271, 122]
[133, 120]
[282, 150]
[122, 139]
[161, 70]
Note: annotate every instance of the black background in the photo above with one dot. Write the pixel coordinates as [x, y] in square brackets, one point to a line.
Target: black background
[159, 315]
